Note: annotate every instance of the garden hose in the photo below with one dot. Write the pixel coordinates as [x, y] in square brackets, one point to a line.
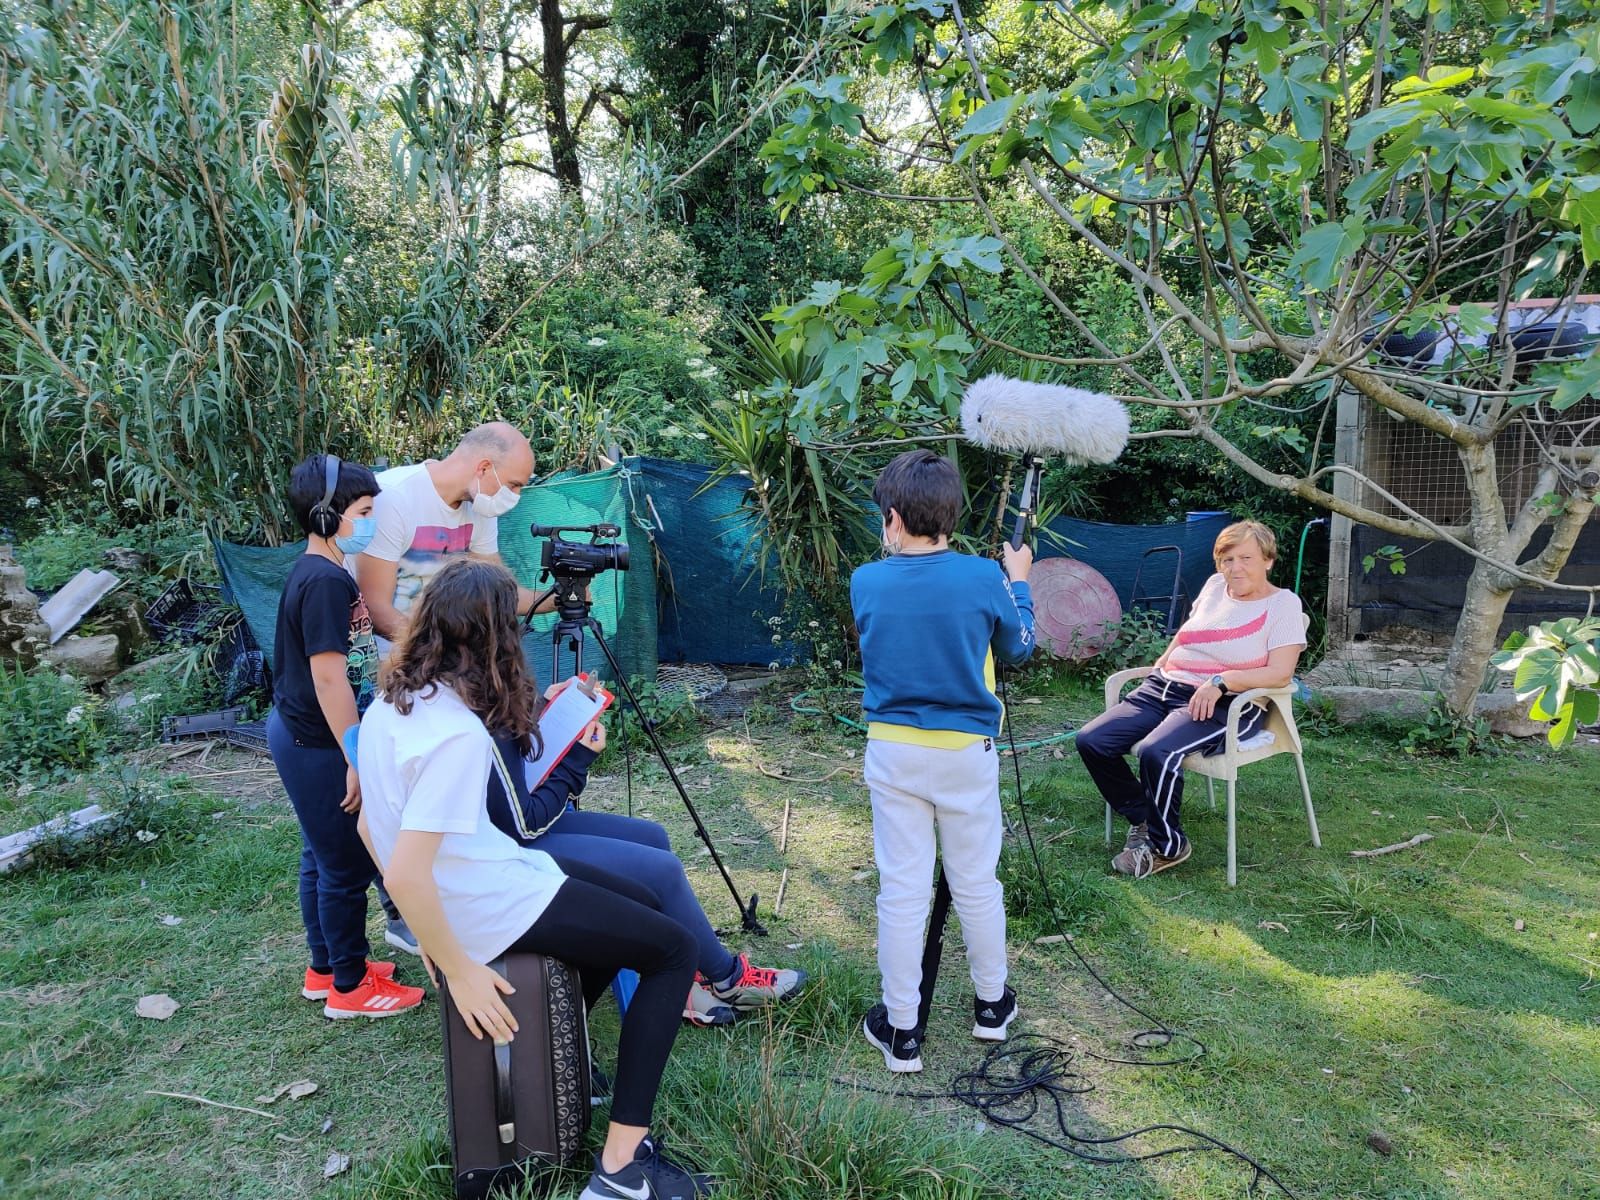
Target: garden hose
[796, 706]
[1300, 560]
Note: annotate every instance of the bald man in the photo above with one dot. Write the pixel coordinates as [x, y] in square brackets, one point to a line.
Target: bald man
[434, 512]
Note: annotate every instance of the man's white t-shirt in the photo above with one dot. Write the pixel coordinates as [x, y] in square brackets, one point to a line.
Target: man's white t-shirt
[1224, 634]
[429, 771]
[420, 533]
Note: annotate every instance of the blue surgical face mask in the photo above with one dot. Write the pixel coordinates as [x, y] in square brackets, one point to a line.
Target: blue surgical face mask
[354, 543]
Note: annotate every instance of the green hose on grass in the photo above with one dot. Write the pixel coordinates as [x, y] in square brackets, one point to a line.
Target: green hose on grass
[795, 705]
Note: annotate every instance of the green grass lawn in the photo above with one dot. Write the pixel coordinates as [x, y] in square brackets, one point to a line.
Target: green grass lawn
[1337, 998]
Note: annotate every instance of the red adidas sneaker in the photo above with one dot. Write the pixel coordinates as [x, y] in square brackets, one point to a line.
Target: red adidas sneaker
[376, 997]
[319, 983]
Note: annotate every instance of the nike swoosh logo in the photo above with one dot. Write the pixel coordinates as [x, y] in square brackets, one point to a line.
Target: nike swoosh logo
[642, 1192]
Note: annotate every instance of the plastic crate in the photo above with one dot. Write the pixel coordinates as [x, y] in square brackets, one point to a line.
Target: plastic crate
[199, 725]
[251, 736]
[186, 612]
[241, 664]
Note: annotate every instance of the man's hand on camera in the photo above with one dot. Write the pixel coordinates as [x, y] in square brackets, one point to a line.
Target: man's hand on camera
[1018, 562]
[594, 737]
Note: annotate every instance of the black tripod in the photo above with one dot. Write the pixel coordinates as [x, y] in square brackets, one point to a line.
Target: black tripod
[573, 619]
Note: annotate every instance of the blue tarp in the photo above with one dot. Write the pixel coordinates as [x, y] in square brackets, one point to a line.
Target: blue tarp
[1116, 551]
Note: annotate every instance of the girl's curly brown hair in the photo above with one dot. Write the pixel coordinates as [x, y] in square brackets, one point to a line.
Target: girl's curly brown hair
[463, 634]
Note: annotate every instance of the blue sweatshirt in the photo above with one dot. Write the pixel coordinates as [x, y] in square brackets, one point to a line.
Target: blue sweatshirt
[931, 626]
[526, 814]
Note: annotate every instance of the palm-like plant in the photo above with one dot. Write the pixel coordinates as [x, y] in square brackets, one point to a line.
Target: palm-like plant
[811, 526]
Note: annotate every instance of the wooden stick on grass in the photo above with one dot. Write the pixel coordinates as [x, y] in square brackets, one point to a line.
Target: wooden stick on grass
[1405, 845]
[214, 1103]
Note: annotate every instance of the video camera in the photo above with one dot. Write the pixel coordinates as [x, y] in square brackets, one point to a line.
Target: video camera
[569, 566]
[583, 560]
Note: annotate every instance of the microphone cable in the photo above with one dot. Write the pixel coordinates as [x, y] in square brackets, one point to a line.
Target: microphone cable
[1160, 1035]
[1031, 1074]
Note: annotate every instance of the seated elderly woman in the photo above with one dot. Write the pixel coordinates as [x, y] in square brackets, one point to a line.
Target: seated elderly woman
[1242, 633]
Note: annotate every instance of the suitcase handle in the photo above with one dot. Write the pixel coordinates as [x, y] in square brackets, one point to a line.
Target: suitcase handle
[504, 1103]
[503, 1108]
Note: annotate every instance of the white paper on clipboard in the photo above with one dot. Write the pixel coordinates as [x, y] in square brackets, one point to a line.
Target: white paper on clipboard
[565, 717]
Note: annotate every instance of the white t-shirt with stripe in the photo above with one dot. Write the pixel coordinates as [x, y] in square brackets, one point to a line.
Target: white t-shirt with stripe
[1224, 634]
[428, 770]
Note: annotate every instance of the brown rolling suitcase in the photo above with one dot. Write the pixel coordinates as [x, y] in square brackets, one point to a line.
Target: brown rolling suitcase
[521, 1109]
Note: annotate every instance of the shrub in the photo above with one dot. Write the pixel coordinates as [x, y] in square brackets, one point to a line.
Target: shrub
[50, 721]
[1137, 641]
[1443, 734]
[68, 542]
[185, 682]
[148, 818]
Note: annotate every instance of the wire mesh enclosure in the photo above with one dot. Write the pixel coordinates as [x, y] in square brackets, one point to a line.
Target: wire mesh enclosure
[1397, 584]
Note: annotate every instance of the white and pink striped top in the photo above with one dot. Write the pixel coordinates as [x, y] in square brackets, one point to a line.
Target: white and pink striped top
[1224, 634]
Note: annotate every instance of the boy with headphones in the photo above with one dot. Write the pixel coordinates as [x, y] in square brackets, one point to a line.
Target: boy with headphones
[324, 670]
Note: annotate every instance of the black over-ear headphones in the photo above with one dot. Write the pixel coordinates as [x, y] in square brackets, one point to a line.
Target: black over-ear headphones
[324, 521]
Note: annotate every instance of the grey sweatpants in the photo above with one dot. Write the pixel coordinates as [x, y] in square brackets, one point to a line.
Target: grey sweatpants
[914, 789]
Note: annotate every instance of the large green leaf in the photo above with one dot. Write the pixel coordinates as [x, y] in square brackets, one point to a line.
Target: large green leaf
[1323, 252]
[990, 118]
[1583, 102]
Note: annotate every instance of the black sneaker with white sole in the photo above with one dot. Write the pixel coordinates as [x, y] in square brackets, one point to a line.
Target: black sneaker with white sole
[902, 1048]
[990, 1018]
[650, 1176]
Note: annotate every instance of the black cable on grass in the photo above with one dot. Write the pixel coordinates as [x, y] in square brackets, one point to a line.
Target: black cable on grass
[1160, 1035]
[1008, 1082]
[1033, 1073]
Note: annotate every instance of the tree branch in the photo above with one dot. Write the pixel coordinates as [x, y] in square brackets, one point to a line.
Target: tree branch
[527, 164]
[579, 25]
[1306, 489]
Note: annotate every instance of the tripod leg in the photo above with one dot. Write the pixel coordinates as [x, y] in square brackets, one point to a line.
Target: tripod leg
[747, 912]
[933, 948]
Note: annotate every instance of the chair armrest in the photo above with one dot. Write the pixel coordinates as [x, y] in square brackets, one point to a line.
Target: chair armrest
[1285, 692]
[1115, 683]
[1279, 696]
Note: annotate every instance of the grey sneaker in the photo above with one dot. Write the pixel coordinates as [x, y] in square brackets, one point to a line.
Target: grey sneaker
[758, 987]
[702, 1008]
[398, 934]
[1139, 859]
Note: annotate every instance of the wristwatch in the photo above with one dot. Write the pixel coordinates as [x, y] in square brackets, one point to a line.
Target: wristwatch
[1216, 682]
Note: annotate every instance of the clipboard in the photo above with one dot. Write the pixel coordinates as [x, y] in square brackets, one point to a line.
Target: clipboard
[566, 715]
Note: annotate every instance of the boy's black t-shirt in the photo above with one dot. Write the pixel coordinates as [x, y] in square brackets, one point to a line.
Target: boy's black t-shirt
[321, 611]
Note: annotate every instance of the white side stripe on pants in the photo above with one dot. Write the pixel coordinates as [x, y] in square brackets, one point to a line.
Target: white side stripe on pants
[1166, 780]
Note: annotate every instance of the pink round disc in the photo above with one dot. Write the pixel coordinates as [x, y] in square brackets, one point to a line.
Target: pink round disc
[1075, 609]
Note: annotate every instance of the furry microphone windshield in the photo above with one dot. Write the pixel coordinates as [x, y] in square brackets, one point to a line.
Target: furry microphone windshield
[1044, 419]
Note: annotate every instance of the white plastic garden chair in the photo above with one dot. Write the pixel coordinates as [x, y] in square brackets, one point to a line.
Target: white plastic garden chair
[1279, 703]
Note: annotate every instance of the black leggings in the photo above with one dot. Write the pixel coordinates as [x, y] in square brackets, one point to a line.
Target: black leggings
[599, 931]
